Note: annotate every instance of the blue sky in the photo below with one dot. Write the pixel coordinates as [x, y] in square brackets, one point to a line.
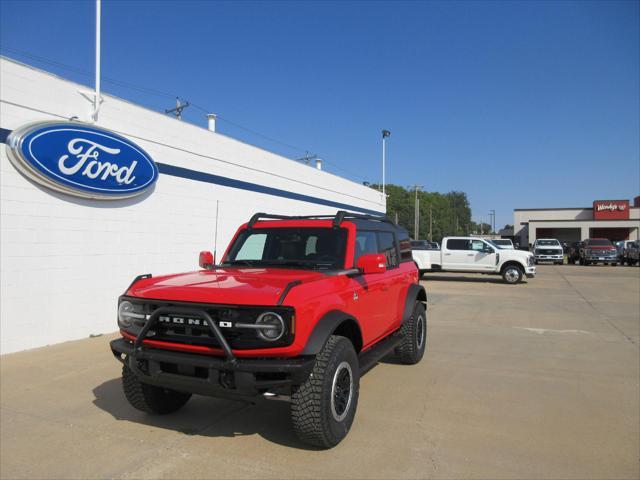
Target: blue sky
[519, 104]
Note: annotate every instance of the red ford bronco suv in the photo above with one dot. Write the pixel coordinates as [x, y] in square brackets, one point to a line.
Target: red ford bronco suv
[298, 309]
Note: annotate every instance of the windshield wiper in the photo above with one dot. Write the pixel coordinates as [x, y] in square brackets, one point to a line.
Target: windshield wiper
[248, 263]
[298, 263]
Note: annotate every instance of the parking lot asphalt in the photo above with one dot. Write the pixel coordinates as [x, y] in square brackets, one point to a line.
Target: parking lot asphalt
[538, 380]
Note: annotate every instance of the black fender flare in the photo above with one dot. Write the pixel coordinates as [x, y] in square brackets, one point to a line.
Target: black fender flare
[325, 328]
[415, 293]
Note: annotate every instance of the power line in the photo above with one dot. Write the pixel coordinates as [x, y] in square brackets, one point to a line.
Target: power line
[160, 93]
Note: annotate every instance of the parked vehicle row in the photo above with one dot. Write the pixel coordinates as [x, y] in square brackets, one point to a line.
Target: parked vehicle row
[601, 250]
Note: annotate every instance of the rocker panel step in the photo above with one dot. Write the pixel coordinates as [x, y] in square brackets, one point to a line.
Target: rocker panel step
[371, 356]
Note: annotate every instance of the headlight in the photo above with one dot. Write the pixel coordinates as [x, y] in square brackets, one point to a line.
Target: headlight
[128, 313]
[272, 326]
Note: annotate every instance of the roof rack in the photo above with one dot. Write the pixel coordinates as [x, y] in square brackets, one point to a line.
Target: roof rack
[338, 218]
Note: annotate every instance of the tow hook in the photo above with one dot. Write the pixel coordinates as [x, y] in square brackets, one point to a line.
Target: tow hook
[227, 380]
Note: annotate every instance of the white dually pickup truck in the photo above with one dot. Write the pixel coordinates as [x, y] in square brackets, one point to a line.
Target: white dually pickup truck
[472, 254]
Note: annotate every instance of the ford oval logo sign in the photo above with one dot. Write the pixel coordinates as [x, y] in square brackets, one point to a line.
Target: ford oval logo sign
[81, 160]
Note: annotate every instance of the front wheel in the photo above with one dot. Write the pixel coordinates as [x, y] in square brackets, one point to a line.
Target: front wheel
[414, 332]
[149, 398]
[324, 406]
[512, 274]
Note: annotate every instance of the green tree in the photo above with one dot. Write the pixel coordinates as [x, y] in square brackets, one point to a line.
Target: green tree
[440, 214]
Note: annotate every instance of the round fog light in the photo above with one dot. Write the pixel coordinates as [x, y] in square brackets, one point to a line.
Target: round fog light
[274, 326]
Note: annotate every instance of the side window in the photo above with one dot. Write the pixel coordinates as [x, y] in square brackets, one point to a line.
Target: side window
[310, 248]
[405, 248]
[253, 247]
[386, 245]
[457, 244]
[477, 245]
[366, 242]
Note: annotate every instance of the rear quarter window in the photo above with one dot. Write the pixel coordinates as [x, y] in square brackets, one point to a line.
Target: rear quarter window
[457, 244]
[387, 245]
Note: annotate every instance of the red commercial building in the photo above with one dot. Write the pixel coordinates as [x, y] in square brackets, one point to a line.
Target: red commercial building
[612, 219]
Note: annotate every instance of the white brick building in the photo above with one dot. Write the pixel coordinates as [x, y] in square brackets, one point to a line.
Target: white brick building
[65, 260]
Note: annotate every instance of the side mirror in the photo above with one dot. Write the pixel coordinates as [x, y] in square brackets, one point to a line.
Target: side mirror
[206, 260]
[488, 250]
[372, 263]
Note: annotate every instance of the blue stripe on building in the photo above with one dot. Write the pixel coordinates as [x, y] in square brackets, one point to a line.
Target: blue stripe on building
[198, 176]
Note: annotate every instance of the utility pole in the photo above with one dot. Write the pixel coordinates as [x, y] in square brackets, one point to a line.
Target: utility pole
[177, 111]
[385, 134]
[492, 220]
[416, 213]
[396, 217]
[430, 223]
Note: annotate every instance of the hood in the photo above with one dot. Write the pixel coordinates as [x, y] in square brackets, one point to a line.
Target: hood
[236, 286]
[515, 254]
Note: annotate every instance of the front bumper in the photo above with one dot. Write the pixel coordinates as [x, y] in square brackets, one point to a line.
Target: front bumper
[212, 376]
[549, 258]
[530, 272]
[601, 258]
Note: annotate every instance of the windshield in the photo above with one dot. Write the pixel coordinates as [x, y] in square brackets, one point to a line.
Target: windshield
[600, 242]
[505, 243]
[496, 244]
[306, 248]
[548, 243]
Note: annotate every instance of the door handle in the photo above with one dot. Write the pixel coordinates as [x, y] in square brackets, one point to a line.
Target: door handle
[447, 254]
[470, 254]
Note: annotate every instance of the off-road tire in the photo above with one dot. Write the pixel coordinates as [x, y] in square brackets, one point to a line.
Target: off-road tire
[149, 398]
[414, 332]
[312, 409]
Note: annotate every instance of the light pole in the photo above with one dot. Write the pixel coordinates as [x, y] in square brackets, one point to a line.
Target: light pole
[385, 134]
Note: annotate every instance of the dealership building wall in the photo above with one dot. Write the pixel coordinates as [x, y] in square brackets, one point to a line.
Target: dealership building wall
[65, 260]
[574, 224]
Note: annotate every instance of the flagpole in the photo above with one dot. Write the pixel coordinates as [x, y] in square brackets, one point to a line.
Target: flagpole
[385, 134]
[96, 100]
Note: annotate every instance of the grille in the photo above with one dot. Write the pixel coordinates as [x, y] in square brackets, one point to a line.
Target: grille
[548, 251]
[237, 338]
[602, 252]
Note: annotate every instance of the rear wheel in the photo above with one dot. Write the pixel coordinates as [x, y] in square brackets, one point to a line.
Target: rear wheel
[414, 332]
[149, 398]
[512, 274]
[324, 406]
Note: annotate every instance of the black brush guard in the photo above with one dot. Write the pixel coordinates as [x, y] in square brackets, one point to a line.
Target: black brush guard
[220, 377]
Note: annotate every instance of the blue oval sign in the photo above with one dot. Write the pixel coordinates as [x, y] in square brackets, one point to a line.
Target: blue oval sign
[81, 160]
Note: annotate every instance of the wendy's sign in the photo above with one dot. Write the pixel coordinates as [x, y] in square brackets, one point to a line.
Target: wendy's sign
[81, 160]
[611, 210]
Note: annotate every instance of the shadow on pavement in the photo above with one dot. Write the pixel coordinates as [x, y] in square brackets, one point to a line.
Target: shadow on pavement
[206, 416]
[480, 279]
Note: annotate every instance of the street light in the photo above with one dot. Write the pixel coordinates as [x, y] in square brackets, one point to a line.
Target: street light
[385, 134]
